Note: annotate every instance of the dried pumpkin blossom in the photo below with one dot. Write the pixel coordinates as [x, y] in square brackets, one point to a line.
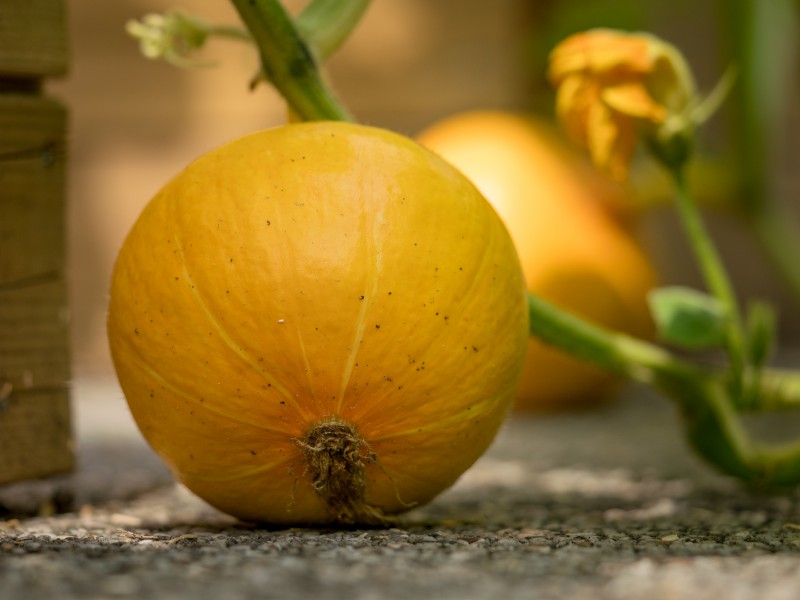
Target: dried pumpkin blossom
[611, 85]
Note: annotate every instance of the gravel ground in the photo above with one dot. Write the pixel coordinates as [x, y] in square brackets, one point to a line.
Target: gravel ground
[606, 504]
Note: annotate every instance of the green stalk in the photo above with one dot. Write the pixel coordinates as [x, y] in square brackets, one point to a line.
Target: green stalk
[750, 146]
[713, 426]
[715, 431]
[713, 271]
[761, 41]
[638, 360]
[616, 352]
[287, 61]
[323, 24]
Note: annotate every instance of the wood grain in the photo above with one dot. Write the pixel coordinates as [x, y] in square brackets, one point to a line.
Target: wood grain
[33, 40]
[35, 438]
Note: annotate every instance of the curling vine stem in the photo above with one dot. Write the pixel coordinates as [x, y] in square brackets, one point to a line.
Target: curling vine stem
[288, 62]
[715, 276]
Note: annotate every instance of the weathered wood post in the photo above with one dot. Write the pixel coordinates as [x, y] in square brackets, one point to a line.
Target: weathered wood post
[35, 437]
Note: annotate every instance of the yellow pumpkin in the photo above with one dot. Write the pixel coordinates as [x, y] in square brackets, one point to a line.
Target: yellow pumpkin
[318, 323]
[573, 250]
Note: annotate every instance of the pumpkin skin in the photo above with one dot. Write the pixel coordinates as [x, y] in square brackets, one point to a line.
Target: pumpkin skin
[318, 274]
[574, 250]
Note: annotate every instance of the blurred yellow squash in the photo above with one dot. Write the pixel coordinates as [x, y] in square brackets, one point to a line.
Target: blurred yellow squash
[574, 252]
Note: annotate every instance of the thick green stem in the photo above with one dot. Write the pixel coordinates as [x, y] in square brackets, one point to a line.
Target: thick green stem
[713, 425]
[750, 147]
[287, 61]
[615, 352]
[714, 428]
[323, 24]
[762, 42]
[713, 271]
[778, 389]
[716, 432]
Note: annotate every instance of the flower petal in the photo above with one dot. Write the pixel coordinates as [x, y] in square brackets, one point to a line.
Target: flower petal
[574, 98]
[611, 140]
[632, 98]
[622, 153]
[601, 51]
[601, 134]
[610, 83]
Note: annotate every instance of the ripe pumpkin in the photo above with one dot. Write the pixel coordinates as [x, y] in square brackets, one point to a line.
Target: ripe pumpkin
[574, 251]
[318, 323]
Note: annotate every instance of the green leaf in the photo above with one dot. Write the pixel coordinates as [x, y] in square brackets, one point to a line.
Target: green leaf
[688, 318]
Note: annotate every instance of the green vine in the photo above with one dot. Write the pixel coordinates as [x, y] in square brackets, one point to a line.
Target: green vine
[288, 61]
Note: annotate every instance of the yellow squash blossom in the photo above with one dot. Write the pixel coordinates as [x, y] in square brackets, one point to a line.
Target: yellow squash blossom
[611, 85]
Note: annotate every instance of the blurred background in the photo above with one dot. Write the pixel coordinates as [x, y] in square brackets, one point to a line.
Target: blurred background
[135, 122]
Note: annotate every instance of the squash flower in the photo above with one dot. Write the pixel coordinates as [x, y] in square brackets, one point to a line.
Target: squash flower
[613, 87]
[172, 36]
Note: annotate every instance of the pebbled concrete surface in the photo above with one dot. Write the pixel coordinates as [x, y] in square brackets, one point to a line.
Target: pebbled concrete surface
[606, 504]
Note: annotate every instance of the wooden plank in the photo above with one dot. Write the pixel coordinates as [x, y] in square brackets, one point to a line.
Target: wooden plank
[24, 456]
[31, 188]
[33, 41]
[35, 437]
[33, 336]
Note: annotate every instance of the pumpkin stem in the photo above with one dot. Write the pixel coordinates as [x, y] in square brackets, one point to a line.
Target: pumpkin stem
[336, 457]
